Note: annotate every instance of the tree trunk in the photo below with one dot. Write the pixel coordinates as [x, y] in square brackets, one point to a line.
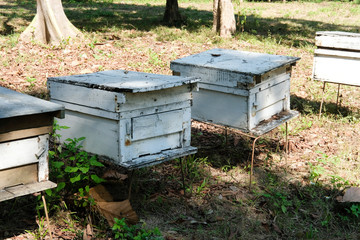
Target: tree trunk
[172, 14]
[50, 24]
[224, 18]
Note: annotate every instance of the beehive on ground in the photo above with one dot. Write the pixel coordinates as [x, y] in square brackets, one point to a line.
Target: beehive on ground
[244, 90]
[133, 119]
[337, 58]
[25, 124]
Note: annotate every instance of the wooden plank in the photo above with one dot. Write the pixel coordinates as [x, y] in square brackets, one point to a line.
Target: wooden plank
[338, 40]
[275, 80]
[164, 156]
[337, 70]
[270, 124]
[21, 190]
[125, 81]
[91, 111]
[22, 152]
[186, 119]
[139, 102]
[279, 73]
[101, 133]
[13, 104]
[155, 109]
[84, 96]
[19, 175]
[224, 89]
[337, 53]
[208, 75]
[151, 146]
[266, 113]
[157, 124]
[220, 108]
[153, 99]
[25, 133]
[266, 83]
[269, 96]
[25, 122]
[43, 158]
[337, 33]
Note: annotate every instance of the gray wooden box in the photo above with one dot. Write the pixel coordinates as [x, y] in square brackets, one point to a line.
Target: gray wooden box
[133, 119]
[25, 124]
[240, 89]
[337, 58]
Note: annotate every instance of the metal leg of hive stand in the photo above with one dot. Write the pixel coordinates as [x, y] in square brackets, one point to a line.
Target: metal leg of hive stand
[252, 160]
[286, 143]
[47, 215]
[182, 173]
[131, 178]
[322, 99]
[226, 136]
[337, 98]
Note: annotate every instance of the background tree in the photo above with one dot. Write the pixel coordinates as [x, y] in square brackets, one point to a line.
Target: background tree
[224, 18]
[50, 24]
[172, 14]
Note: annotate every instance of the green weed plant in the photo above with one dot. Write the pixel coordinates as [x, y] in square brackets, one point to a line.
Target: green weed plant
[73, 170]
[41, 232]
[123, 231]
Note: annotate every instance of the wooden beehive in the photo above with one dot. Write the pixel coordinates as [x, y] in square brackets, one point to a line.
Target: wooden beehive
[337, 58]
[244, 90]
[25, 124]
[133, 119]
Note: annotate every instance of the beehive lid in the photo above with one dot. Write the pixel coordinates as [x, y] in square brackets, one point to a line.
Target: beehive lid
[337, 34]
[241, 62]
[14, 104]
[338, 40]
[125, 81]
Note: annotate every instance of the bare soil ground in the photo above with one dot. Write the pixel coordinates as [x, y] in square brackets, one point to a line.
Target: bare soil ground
[289, 199]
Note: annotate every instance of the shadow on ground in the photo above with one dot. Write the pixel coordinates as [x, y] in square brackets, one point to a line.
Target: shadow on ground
[99, 17]
[310, 107]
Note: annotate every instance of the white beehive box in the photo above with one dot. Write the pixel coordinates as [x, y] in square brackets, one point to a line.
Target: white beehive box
[25, 124]
[133, 119]
[240, 89]
[337, 58]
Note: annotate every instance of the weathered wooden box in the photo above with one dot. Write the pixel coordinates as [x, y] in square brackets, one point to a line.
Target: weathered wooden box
[133, 119]
[25, 124]
[337, 58]
[240, 89]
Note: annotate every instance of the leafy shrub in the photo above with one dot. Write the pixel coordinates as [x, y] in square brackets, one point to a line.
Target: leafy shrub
[125, 232]
[73, 170]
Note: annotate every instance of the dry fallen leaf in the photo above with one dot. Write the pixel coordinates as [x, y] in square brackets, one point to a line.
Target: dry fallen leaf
[85, 71]
[111, 210]
[88, 233]
[75, 63]
[100, 194]
[106, 206]
[114, 175]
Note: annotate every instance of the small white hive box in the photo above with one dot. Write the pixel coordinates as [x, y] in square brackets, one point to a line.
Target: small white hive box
[130, 118]
[25, 124]
[240, 89]
[337, 58]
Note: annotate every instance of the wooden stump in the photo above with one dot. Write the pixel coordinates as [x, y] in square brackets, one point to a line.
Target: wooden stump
[224, 18]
